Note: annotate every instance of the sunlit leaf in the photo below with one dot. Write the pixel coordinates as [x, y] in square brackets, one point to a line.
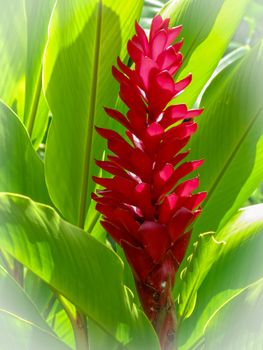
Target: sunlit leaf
[233, 268]
[57, 252]
[208, 27]
[85, 38]
[21, 170]
[13, 53]
[229, 130]
[36, 110]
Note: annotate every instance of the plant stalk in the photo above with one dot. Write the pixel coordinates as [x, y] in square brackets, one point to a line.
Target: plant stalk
[165, 325]
[81, 333]
[18, 273]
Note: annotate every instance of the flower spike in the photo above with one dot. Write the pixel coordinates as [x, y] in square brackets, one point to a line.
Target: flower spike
[146, 206]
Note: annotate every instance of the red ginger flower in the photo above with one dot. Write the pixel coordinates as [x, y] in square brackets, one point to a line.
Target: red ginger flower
[144, 208]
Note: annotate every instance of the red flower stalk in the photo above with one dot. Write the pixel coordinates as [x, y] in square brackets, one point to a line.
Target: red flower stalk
[145, 209]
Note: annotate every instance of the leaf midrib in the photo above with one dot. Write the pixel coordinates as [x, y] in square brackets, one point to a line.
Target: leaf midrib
[232, 156]
[91, 117]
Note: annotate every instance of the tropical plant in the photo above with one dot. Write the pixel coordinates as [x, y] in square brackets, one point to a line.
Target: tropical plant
[64, 282]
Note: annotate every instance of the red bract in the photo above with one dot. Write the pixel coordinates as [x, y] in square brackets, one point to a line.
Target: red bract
[146, 207]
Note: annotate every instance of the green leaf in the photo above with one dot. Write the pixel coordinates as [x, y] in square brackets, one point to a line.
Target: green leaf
[208, 27]
[76, 265]
[13, 53]
[21, 326]
[232, 58]
[233, 268]
[253, 181]
[205, 250]
[21, 170]
[17, 333]
[14, 300]
[229, 130]
[85, 39]
[61, 325]
[36, 110]
[238, 324]
[39, 292]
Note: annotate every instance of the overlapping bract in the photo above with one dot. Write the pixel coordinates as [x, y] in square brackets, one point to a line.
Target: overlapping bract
[145, 208]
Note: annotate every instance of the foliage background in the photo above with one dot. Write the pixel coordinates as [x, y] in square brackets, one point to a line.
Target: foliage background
[56, 262]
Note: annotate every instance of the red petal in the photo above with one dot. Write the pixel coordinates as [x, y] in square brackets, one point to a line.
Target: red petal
[161, 92]
[134, 52]
[158, 44]
[183, 170]
[114, 114]
[126, 70]
[141, 163]
[140, 263]
[126, 220]
[182, 84]
[168, 149]
[179, 223]
[144, 200]
[179, 158]
[143, 38]
[155, 239]
[173, 34]
[180, 246]
[115, 232]
[173, 114]
[119, 76]
[145, 68]
[132, 97]
[164, 274]
[177, 46]
[137, 121]
[162, 176]
[187, 187]
[155, 26]
[192, 113]
[181, 131]
[111, 168]
[167, 208]
[195, 200]
[153, 136]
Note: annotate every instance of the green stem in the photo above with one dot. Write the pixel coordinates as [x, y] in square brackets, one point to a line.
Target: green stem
[81, 333]
[92, 110]
[166, 325]
[18, 273]
[49, 306]
[33, 110]
[79, 325]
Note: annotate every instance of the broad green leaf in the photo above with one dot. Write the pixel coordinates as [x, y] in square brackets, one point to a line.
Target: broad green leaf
[204, 253]
[61, 325]
[238, 324]
[17, 333]
[229, 130]
[128, 275]
[21, 326]
[233, 268]
[253, 181]
[76, 265]
[231, 58]
[85, 38]
[13, 299]
[208, 27]
[100, 340]
[21, 170]
[36, 110]
[39, 292]
[13, 53]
